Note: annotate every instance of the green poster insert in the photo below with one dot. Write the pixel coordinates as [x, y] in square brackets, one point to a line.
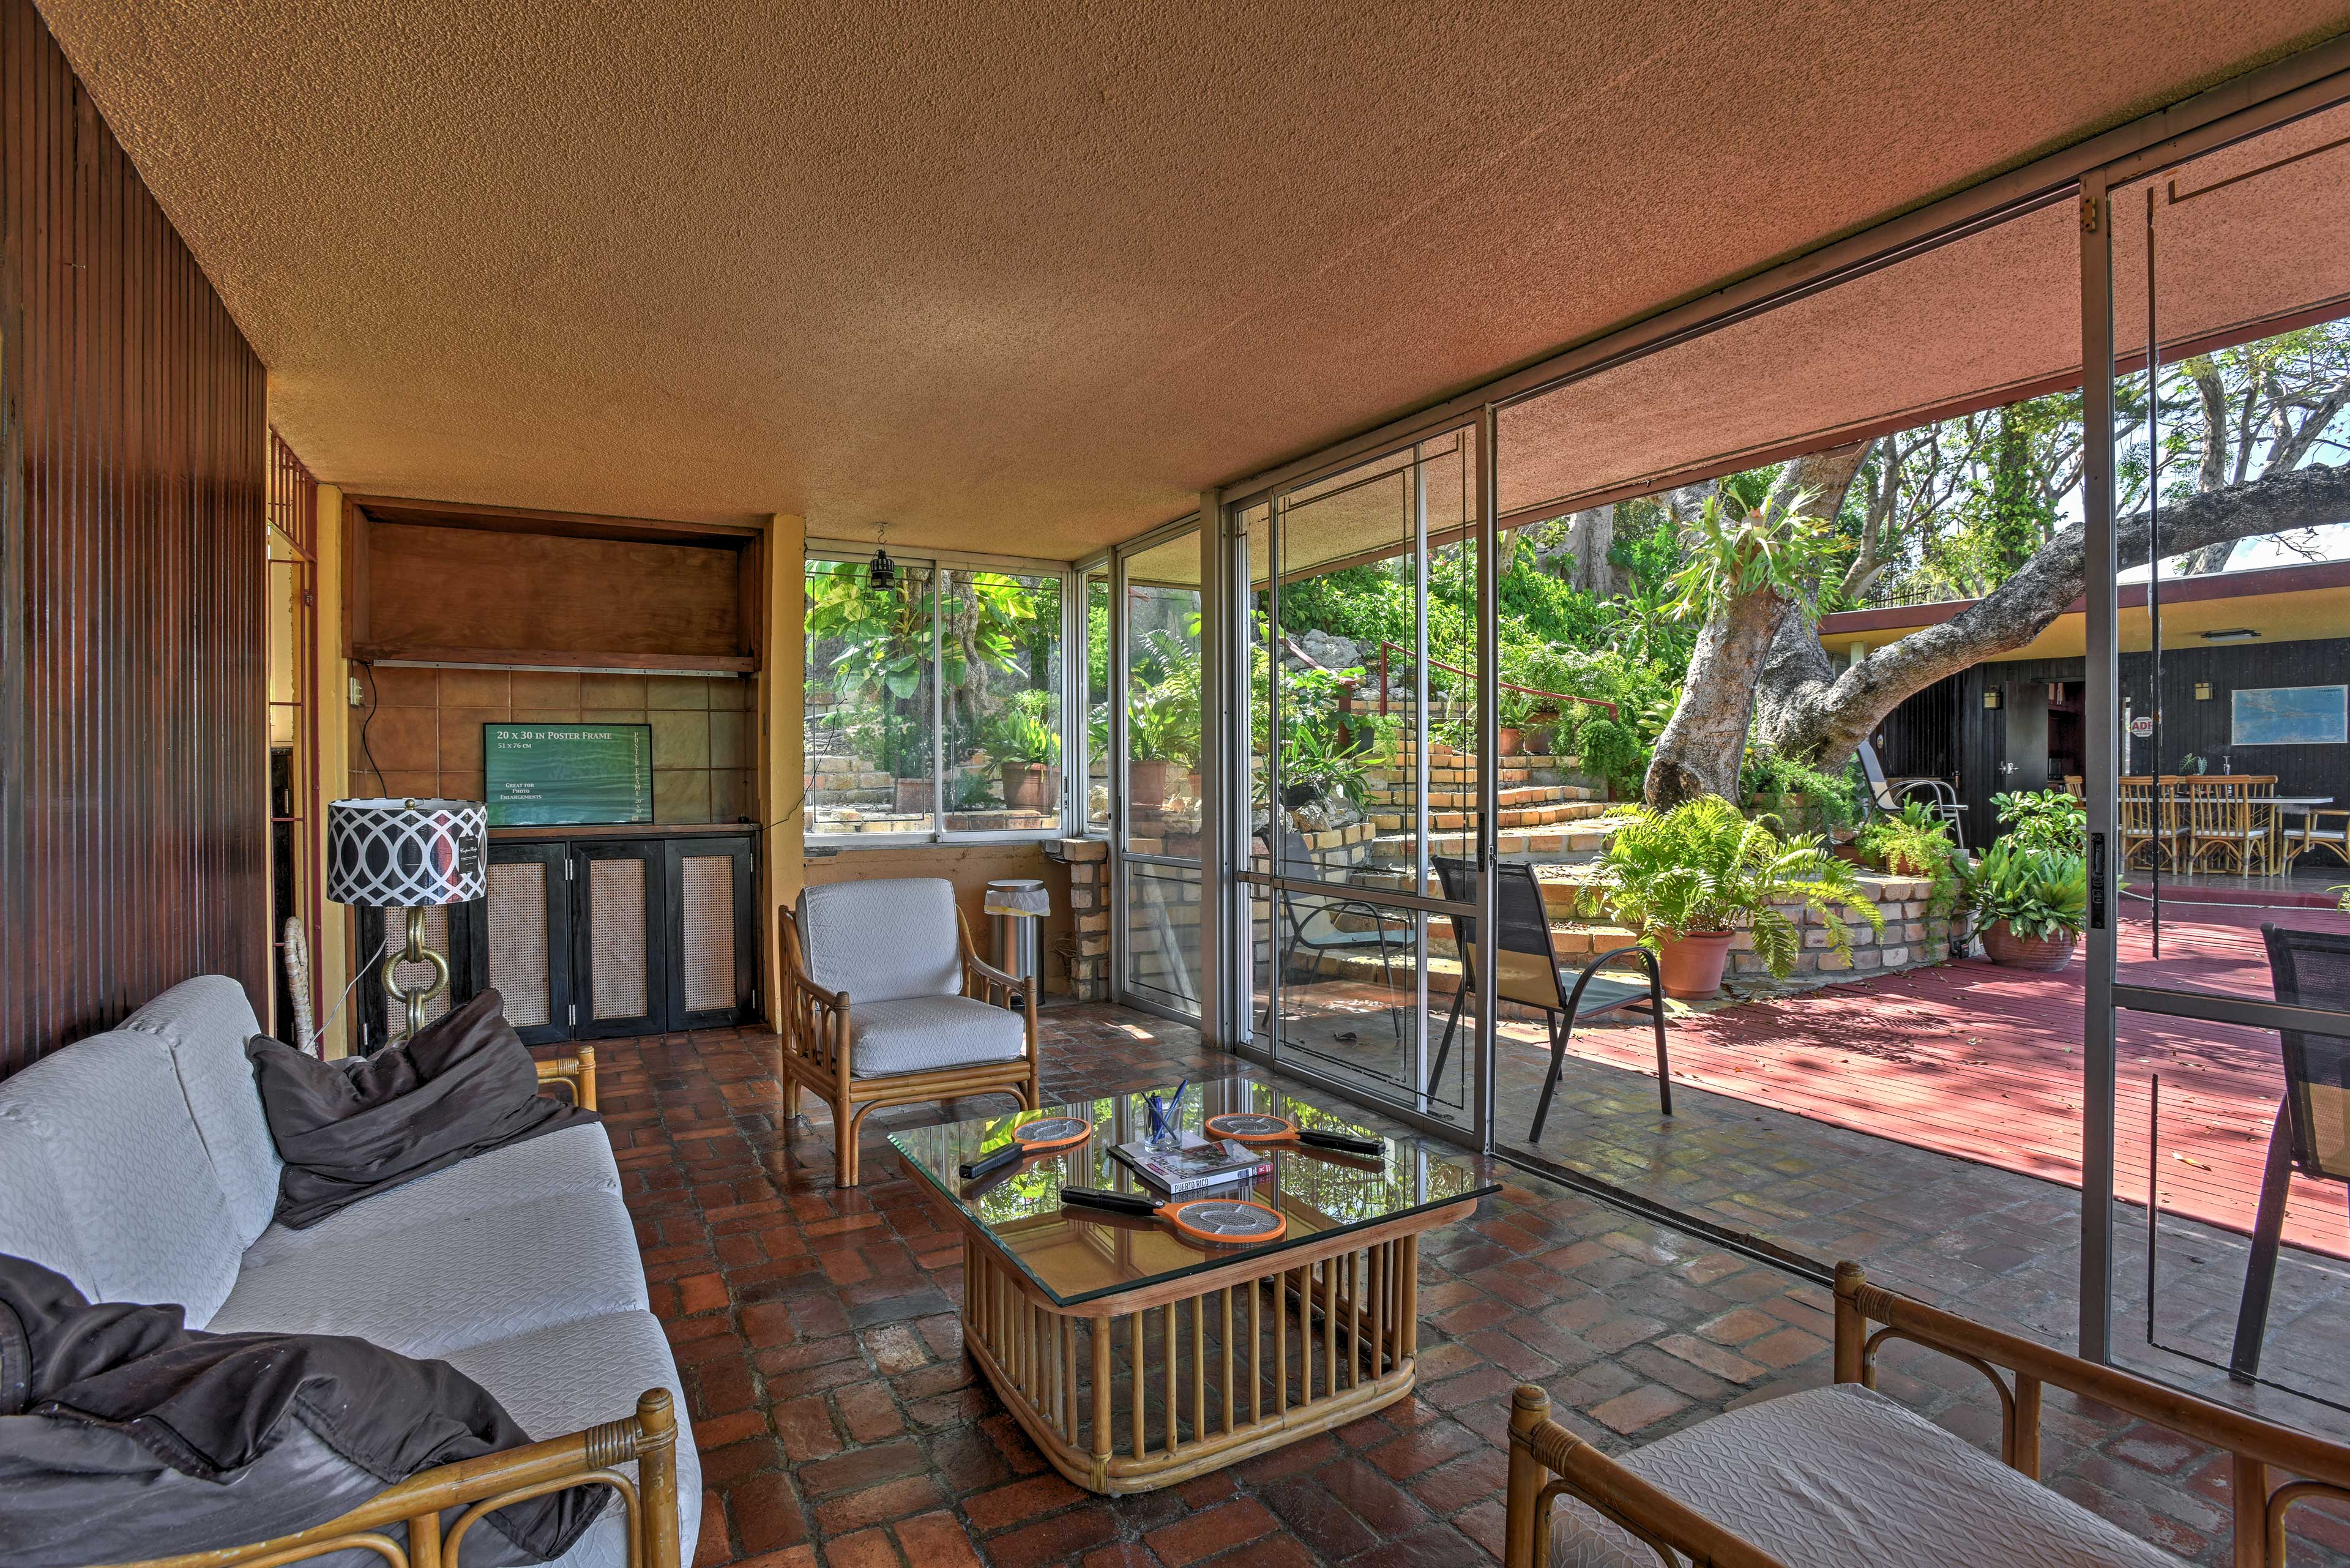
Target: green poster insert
[543, 776]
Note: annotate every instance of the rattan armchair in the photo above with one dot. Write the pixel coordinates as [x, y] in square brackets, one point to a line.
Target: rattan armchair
[885, 1001]
[1650, 1513]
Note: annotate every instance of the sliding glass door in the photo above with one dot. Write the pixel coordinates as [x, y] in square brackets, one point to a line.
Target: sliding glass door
[1155, 749]
[1371, 781]
[2217, 322]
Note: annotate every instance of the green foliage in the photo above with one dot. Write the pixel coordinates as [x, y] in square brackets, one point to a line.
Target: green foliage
[1737, 548]
[2040, 893]
[2051, 819]
[1917, 843]
[1314, 757]
[1162, 718]
[1836, 797]
[1609, 751]
[1026, 730]
[1702, 868]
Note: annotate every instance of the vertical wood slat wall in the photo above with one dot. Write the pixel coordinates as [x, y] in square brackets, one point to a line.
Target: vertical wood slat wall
[133, 645]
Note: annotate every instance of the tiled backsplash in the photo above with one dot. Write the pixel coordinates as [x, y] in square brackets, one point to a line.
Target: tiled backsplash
[426, 734]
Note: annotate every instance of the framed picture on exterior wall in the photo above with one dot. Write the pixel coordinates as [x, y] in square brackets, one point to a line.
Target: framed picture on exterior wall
[2290, 716]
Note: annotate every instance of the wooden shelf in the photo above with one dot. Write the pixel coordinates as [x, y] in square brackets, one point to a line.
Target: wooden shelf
[629, 830]
[393, 652]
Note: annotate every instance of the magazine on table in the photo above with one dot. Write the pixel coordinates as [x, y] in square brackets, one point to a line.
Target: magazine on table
[1201, 1162]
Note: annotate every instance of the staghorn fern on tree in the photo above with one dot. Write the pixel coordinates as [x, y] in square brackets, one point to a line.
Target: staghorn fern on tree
[1702, 868]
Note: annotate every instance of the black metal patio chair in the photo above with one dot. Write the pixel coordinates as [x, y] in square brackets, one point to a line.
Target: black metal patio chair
[1886, 797]
[2308, 969]
[1317, 931]
[1531, 976]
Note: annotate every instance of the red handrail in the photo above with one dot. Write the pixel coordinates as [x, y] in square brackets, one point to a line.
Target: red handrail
[1504, 685]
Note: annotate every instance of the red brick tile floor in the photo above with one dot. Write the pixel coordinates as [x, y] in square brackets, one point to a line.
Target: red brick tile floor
[840, 1424]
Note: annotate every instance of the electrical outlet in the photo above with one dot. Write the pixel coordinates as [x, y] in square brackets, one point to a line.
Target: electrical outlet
[358, 693]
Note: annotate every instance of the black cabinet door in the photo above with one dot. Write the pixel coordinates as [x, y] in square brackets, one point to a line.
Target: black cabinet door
[714, 932]
[525, 937]
[621, 924]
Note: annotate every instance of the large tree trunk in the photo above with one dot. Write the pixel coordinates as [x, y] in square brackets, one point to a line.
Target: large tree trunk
[1590, 534]
[1704, 743]
[1811, 711]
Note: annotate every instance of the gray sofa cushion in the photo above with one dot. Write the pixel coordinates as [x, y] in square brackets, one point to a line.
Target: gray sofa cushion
[573, 1160]
[460, 1281]
[204, 1023]
[1844, 1475]
[146, 1209]
[575, 1374]
[926, 1032]
[125, 1435]
[882, 942]
[35, 1223]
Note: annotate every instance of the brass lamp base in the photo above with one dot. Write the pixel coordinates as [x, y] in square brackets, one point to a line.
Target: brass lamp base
[414, 951]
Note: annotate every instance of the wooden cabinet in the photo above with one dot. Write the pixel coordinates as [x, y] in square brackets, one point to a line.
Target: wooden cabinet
[596, 936]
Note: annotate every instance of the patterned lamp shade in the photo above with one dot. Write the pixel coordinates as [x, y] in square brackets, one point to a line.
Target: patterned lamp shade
[406, 854]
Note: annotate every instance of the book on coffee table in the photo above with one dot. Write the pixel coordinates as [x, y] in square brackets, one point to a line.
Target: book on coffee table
[1201, 1162]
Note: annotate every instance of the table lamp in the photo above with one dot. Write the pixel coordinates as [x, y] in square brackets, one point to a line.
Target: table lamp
[1016, 904]
[407, 855]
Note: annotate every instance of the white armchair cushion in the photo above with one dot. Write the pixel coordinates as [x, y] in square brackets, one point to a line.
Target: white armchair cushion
[924, 1033]
[125, 1158]
[35, 1223]
[1843, 1475]
[883, 941]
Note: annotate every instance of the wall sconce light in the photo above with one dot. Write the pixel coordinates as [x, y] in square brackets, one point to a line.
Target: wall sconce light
[2202, 691]
[1991, 699]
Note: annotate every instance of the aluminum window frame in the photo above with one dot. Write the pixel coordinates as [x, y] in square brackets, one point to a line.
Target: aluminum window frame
[939, 563]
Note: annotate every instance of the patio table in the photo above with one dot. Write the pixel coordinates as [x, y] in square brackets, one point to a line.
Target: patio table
[1136, 1358]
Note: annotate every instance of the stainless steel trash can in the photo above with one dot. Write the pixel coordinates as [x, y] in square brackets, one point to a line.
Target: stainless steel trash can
[1015, 907]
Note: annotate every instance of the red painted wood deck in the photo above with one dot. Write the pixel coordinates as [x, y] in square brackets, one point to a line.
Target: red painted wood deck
[1984, 1063]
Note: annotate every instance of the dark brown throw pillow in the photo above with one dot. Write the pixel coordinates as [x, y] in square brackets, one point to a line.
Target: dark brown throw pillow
[462, 1085]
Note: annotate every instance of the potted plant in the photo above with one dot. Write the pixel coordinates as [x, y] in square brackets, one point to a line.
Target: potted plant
[1025, 744]
[1688, 880]
[1515, 708]
[2029, 904]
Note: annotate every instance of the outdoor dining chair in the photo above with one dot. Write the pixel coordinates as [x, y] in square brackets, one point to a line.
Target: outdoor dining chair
[2326, 830]
[2143, 811]
[1529, 973]
[2231, 816]
[1316, 930]
[2312, 1135]
[1886, 798]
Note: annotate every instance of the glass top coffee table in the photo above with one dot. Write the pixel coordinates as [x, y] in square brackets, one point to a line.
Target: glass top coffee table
[1139, 1355]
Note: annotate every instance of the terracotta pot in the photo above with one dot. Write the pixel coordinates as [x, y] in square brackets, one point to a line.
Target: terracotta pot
[1691, 965]
[915, 794]
[1146, 782]
[1509, 743]
[2045, 955]
[1031, 787]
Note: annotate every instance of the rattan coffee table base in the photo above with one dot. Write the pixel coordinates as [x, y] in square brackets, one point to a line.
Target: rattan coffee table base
[1153, 1386]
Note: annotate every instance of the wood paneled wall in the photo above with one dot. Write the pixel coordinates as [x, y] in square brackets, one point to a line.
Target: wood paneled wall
[132, 647]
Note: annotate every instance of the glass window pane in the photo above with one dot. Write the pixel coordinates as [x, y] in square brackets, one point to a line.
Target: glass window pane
[869, 725]
[1000, 664]
[1098, 663]
[1162, 699]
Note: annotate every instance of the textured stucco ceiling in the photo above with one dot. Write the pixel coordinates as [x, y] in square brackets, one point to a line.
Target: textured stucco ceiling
[1026, 276]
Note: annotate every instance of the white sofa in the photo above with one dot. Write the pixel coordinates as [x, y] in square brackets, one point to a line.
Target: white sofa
[137, 1164]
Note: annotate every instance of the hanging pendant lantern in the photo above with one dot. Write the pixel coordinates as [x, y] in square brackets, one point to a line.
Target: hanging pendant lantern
[883, 572]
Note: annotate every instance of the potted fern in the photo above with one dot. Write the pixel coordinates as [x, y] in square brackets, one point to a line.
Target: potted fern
[2030, 903]
[1025, 744]
[1689, 879]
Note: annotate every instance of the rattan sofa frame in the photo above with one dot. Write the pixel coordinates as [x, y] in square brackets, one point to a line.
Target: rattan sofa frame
[1547, 1461]
[818, 1036]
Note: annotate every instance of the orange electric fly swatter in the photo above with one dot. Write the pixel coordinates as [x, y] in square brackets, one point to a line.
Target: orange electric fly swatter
[1030, 1138]
[1253, 1126]
[1234, 1221]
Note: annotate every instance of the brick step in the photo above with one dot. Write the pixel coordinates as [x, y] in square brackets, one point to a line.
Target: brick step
[1570, 838]
[1525, 816]
[1514, 796]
